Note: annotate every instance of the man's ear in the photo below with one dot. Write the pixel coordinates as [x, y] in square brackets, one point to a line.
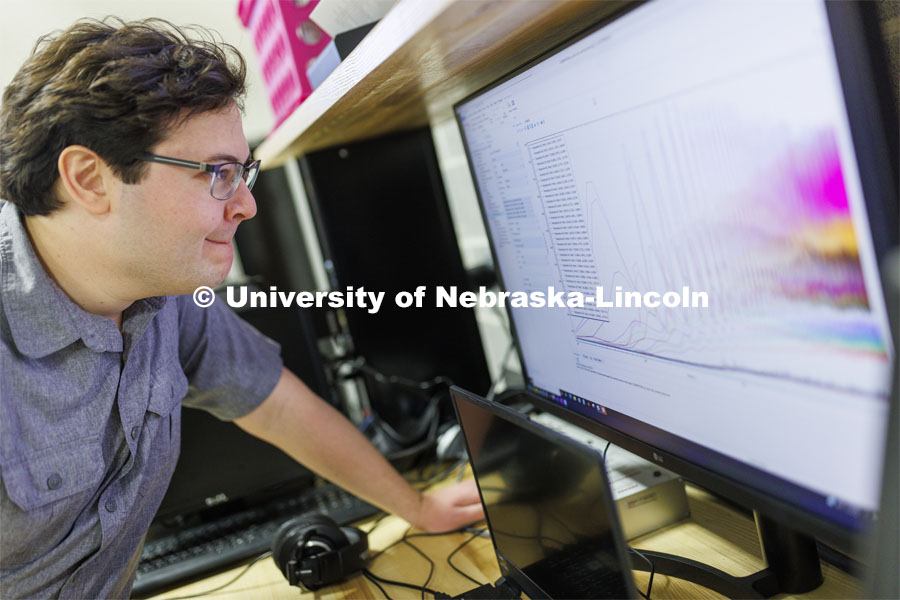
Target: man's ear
[87, 178]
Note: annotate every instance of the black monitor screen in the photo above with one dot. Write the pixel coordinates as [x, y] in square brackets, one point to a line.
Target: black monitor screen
[548, 505]
[695, 160]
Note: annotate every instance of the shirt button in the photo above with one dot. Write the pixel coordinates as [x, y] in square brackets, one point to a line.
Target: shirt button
[134, 432]
[53, 481]
[111, 505]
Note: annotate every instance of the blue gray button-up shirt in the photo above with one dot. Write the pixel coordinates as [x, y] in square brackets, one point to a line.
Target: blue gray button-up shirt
[90, 419]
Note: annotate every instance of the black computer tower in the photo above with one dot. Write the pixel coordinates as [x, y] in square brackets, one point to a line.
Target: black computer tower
[384, 224]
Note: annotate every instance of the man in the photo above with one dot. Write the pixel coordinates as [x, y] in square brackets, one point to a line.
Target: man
[125, 172]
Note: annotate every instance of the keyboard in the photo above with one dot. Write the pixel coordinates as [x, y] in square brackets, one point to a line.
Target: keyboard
[205, 548]
[590, 569]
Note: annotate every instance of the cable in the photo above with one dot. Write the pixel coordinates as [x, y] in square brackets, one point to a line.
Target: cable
[430, 564]
[428, 420]
[368, 576]
[408, 535]
[652, 571]
[423, 589]
[605, 450]
[224, 585]
[458, 548]
[414, 435]
[405, 540]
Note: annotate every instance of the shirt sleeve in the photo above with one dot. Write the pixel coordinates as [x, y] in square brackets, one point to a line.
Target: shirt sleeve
[231, 367]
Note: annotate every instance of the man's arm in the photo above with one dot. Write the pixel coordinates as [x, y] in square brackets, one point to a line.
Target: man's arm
[308, 429]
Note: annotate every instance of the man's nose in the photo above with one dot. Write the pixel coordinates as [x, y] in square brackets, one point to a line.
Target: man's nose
[242, 205]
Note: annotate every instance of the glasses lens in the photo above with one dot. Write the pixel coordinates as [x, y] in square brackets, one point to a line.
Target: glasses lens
[250, 174]
[225, 180]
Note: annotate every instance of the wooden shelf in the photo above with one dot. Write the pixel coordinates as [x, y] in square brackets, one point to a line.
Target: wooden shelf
[420, 59]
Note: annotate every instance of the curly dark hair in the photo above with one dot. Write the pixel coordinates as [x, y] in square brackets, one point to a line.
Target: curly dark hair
[113, 86]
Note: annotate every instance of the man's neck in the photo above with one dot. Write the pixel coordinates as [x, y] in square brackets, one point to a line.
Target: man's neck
[71, 267]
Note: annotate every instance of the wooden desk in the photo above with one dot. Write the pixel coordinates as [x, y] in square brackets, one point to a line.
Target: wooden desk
[715, 534]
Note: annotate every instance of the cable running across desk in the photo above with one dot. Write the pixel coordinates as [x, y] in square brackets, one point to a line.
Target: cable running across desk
[424, 588]
[460, 547]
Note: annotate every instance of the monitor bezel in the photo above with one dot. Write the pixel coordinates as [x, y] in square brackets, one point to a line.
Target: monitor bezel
[860, 57]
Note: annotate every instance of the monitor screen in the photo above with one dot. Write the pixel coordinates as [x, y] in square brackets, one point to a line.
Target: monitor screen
[695, 161]
[548, 504]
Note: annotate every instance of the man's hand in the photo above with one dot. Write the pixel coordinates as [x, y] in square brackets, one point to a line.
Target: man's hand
[450, 508]
[294, 419]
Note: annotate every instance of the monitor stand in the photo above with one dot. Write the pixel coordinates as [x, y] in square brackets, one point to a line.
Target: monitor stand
[793, 568]
[792, 558]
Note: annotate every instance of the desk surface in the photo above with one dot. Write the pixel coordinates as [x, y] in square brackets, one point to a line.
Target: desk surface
[715, 534]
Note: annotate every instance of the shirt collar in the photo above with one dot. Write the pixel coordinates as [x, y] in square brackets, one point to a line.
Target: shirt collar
[41, 317]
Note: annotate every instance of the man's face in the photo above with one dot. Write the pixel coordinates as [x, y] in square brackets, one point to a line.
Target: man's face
[173, 236]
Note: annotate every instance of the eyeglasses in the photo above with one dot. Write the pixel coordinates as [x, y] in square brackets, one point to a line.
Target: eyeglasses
[226, 177]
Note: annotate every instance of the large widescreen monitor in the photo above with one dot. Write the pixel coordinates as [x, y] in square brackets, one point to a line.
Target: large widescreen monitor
[736, 150]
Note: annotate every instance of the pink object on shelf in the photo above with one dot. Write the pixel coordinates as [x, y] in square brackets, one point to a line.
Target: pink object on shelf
[286, 42]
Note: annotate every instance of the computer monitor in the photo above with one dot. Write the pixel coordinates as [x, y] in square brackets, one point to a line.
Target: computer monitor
[742, 149]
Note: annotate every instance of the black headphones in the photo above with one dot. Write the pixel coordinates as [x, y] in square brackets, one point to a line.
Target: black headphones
[313, 551]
